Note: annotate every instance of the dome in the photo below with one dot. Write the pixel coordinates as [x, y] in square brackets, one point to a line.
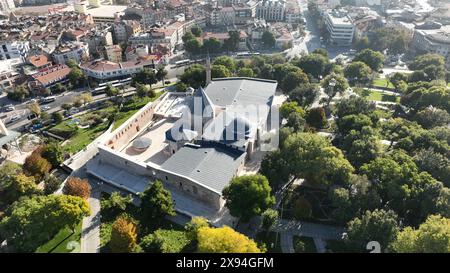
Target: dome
[241, 126]
[142, 143]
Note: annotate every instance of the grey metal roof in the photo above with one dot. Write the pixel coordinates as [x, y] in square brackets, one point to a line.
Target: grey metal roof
[241, 91]
[211, 165]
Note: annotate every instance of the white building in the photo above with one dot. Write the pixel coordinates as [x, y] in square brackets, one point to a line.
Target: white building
[433, 41]
[14, 49]
[77, 51]
[340, 27]
[103, 69]
[271, 10]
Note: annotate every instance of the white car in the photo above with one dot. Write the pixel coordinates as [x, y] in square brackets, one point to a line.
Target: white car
[45, 108]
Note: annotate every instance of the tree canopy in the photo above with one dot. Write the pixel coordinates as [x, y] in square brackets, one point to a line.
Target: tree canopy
[247, 196]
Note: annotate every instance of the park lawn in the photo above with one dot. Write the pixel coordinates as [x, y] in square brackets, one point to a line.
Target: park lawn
[83, 137]
[130, 109]
[374, 95]
[310, 247]
[59, 243]
[383, 82]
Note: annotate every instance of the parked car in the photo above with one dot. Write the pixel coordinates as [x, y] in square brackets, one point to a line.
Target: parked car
[9, 108]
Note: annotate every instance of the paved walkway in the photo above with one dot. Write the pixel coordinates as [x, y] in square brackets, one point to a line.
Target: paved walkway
[290, 228]
[90, 235]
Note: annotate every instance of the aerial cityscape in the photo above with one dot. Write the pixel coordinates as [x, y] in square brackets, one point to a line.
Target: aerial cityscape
[224, 126]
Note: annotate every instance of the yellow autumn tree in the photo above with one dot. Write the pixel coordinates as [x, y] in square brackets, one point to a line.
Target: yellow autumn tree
[224, 240]
[123, 236]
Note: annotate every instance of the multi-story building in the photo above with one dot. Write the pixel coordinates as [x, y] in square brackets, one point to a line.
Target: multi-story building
[14, 49]
[221, 37]
[222, 16]
[113, 53]
[49, 76]
[245, 12]
[124, 29]
[433, 41]
[340, 27]
[105, 70]
[271, 10]
[76, 51]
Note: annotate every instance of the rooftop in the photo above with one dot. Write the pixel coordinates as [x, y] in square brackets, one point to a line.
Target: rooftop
[201, 162]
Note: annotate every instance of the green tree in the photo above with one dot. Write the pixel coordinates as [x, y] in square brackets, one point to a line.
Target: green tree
[314, 64]
[332, 85]
[196, 30]
[399, 81]
[161, 74]
[142, 90]
[269, 218]
[212, 45]
[226, 61]
[232, 43]
[432, 117]
[76, 76]
[156, 202]
[57, 117]
[358, 73]
[374, 59]
[362, 146]
[289, 107]
[28, 224]
[193, 46]
[377, 225]
[116, 203]
[247, 196]
[111, 91]
[51, 184]
[354, 105]
[312, 157]
[220, 71]
[145, 76]
[274, 168]
[433, 236]
[19, 93]
[194, 76]
[53, 152]
[305, 94]
[292, 80]
[245, 72]
[268, 39]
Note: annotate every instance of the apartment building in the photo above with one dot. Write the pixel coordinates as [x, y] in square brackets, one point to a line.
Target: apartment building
[14, 49]
[77, 51]
[105, 70]
[433, 41]
[340, 27]
[271, 10]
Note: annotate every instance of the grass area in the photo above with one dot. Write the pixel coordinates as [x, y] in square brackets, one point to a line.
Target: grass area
[175, 241]
[378, 96]
[268, 240]
[63, 242]
[308, 242]
[130, 109]
[383, 83]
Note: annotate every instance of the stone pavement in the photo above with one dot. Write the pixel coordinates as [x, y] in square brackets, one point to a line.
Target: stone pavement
[319, 232]
[90, 235]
